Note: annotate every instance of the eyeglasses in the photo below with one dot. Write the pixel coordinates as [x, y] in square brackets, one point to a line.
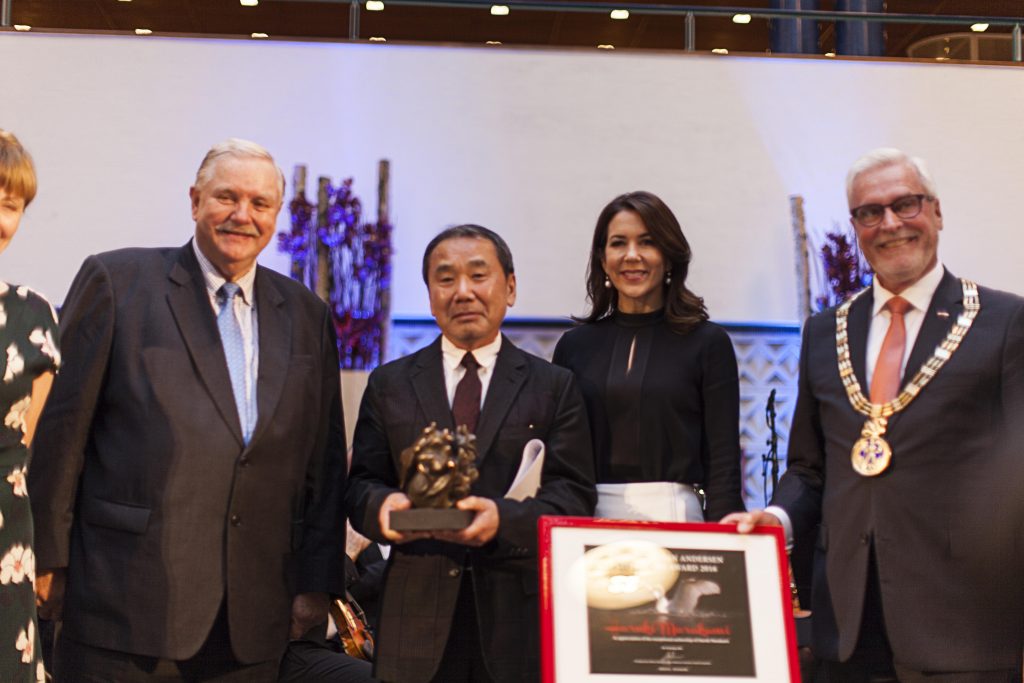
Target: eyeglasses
[870, 215]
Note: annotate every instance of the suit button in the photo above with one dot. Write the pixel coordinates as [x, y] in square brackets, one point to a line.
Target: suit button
[864, 538]
[244, 460]
[236, 520]
[454, 572]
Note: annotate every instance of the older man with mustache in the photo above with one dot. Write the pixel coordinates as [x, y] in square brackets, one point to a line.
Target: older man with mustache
[189, 467]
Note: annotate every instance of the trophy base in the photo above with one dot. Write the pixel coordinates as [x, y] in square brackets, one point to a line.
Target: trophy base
[431, 519]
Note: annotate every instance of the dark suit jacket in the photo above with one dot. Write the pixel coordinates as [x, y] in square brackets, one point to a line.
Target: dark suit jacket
[141, 484]
[527, 398]
[944, 519]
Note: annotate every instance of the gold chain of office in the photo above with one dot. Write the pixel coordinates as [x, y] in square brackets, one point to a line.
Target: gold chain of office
[871, 453]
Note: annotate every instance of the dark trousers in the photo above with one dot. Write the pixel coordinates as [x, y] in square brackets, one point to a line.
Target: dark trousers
[872, 659]
[76, 662]
[323, 661]
[463, 659]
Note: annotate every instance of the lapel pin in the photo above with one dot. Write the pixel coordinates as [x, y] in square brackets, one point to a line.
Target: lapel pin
[942, 314]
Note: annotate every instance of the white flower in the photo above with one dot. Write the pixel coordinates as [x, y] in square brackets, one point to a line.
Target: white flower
[27, 643]
[40, 672]
[15, 565]
[17, 480]
[3, 315]
[15, 363]
[16, 417]
[22, 292]
[4, 288]
[45, 343]
[28, 563]
[1, 519]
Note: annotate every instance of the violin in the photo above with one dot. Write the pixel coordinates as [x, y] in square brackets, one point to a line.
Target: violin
[351, 622]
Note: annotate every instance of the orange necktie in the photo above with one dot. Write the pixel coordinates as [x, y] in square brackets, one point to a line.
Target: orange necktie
[885, 383]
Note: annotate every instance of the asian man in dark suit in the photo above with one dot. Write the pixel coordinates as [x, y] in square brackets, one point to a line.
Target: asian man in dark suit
[189, 469]
[911, 497]
[462, 606]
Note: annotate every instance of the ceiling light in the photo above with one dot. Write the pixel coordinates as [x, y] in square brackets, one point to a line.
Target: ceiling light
[124, 0]
[620, 14]
[260, 35]
[22, 27]
[979, 28]
[493, 42]
[374, 6]
[378, 39]
[720, 51]
[605, 47]
[248, 3]
[499, 10]
[830, 54]
[142, 31]
[741, 18]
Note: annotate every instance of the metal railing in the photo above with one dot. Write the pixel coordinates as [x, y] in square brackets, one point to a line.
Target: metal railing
[689, 12]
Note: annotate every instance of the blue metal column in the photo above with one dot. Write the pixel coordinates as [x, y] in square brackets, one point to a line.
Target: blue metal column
[860, 38]
[794, 36]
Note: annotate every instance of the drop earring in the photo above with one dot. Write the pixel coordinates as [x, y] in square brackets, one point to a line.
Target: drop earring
[668, 277]
[607, 283]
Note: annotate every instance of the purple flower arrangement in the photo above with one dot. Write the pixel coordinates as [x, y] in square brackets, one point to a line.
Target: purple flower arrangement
[844, 270]
[347, 262]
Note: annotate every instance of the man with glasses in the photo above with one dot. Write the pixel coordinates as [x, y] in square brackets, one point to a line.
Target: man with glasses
[903, 470]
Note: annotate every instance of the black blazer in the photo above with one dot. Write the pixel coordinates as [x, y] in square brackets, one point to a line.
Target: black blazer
[527, 398]
[141, 484]
[944, 519]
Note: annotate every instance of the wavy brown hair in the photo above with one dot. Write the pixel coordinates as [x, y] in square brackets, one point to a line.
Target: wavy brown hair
[684, 310]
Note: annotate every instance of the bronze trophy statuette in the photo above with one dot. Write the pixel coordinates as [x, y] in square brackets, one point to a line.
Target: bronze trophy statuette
[437, 472]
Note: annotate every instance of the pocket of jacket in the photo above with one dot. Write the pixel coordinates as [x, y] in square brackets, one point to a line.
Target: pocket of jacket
[117, 516]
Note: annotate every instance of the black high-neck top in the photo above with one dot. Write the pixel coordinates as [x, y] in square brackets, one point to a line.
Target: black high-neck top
[662, 406]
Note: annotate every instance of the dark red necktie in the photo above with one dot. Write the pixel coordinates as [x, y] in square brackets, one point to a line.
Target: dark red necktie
[466, 405]
[885, 382]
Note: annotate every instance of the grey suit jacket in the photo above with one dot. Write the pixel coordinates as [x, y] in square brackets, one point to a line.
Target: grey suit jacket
[141, 484]
[527, 398]
[944, 519]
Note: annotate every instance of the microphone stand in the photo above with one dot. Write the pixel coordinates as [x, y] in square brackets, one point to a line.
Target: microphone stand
[772, 456]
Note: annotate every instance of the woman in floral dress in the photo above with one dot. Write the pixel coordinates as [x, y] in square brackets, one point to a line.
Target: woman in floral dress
[28, 360]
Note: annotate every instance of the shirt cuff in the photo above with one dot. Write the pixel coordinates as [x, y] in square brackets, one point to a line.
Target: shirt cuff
[787, 525]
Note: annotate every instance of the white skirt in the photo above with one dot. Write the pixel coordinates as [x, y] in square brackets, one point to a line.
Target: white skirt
[656, 501]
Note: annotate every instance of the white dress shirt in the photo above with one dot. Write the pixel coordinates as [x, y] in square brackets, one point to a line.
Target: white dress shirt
[919, 295]
[245, 314]
[452, 355]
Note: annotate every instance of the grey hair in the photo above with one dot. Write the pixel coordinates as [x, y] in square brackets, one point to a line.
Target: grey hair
[889, 156]
[236, 147]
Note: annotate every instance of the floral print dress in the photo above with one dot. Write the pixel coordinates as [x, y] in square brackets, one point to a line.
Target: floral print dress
[28, 348]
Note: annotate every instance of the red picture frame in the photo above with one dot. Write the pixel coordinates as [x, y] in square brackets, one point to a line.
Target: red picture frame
[714, 605]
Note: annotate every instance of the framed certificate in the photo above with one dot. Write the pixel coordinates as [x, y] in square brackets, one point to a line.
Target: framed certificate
[644, 601]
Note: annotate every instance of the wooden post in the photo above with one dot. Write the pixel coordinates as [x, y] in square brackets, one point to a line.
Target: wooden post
[384, 218]
[300, 207]
[323, 267]
[803, 275]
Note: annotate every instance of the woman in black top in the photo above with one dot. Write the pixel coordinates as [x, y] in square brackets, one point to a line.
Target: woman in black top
[659, 380]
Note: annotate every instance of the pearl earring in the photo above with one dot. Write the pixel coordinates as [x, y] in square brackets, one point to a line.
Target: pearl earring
[668, 277]
[607, 283]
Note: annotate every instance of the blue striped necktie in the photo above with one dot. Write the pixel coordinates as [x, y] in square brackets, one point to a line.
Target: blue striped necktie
[234, 352]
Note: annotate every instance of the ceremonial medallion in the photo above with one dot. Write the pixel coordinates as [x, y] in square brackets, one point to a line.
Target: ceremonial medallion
[871, 453]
